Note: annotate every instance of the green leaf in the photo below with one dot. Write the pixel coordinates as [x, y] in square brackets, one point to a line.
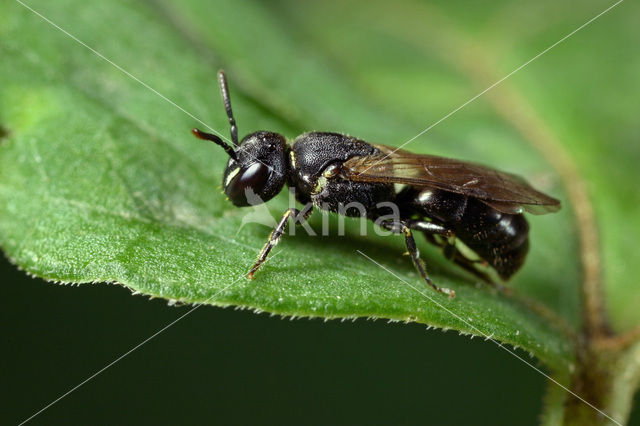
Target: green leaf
[100, 179]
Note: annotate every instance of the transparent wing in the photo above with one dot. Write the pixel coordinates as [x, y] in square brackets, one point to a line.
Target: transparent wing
[505, 192]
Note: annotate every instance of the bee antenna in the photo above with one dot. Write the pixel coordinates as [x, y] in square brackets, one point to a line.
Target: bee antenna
[224, 90]
[215, 139]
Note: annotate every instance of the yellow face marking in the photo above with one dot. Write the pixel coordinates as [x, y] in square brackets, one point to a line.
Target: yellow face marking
[231, 176]
[293, 159]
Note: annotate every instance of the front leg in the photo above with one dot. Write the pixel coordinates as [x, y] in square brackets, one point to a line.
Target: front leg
[276, 234]
[410, 242]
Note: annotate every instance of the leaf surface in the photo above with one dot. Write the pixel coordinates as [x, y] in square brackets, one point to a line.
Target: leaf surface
[100, 179]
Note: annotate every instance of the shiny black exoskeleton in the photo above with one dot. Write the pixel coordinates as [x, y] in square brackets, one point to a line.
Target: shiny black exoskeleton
[500, 239]
[342, 174]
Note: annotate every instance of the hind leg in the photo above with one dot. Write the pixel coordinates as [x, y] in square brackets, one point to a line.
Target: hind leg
[402, 227]
[449, 249]
[452, 253]
[470, 265]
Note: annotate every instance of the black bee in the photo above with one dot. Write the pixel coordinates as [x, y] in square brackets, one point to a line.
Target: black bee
[445, 199]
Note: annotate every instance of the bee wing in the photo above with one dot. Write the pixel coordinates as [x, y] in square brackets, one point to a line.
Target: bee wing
[505, 192]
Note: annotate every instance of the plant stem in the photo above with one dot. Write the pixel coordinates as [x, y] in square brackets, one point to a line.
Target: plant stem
[607, 380]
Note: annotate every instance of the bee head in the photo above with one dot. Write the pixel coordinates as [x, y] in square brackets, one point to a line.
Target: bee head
[257, 167]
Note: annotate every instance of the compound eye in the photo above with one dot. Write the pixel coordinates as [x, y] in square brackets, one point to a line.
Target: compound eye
[249, 182]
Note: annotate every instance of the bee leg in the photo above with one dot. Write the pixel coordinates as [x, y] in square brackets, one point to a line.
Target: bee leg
[469, 265]
[410, 242]
[450, 251]
[430, 229]
[276, 234]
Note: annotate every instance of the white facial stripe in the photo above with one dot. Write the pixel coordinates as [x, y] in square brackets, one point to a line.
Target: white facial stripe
[231, 175]
[293, 159]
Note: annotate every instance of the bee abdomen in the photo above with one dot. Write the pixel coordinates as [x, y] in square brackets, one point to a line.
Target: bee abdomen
[500, 239]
